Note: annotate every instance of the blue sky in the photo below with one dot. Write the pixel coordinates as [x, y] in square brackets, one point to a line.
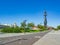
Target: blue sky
[12, 11]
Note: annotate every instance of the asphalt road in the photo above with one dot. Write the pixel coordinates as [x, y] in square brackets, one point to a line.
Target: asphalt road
[22, 39]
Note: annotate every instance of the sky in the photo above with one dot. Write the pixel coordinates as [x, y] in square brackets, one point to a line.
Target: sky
[16, 11]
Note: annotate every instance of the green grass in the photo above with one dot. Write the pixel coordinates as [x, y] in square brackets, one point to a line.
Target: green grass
[32, 31]
[17, 31]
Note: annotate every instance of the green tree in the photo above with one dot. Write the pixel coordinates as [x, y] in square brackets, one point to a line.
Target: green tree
[30, 25]
[58, 27]
[41, 27]
[23, 25]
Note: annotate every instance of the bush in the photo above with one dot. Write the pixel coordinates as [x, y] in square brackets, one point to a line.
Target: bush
[27, 30]
[58, 27]
[55, 29]
[11, 30]
[7, 30]
[17, 30]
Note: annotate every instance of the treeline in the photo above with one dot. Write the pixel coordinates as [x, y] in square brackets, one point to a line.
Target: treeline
[23, 28]
[57, 28]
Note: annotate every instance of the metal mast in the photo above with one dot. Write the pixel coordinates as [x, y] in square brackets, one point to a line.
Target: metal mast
[45, 19]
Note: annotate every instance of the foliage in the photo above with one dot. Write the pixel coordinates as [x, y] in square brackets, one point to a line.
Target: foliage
[17, 30]
[55, 29]
[41, 26]
[30, 25]
[24, 28]
[23, 24]
[34, 30]
[58, 27]
[11, 30]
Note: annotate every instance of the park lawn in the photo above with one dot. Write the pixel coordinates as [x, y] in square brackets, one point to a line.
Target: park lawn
[32, 31]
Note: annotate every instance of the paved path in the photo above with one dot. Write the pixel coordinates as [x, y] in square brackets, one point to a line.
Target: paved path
[52, 38]
[3, 35]
[22, 39]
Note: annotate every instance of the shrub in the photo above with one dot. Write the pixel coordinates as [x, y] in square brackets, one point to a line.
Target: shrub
[58, 27]
[17, 30]
[7, 30]
[55, 29]
[11, 30]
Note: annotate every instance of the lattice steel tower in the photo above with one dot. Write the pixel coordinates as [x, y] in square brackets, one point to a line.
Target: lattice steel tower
[45, 19]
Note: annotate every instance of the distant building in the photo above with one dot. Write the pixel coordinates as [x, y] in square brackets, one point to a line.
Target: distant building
[3, 26]
[14, 25]
[34, 28]
[50, 28]
[7, 24]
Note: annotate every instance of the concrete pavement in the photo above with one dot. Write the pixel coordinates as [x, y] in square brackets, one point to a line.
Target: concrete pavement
[3, 35]
[22, 39]
[51, 38]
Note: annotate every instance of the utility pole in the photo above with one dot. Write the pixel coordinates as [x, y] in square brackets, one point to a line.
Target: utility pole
[24, 25]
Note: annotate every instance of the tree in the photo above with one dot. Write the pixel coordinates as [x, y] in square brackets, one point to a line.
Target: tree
[40, 26]
[58, 27]
[30, 25]
[23, 25]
